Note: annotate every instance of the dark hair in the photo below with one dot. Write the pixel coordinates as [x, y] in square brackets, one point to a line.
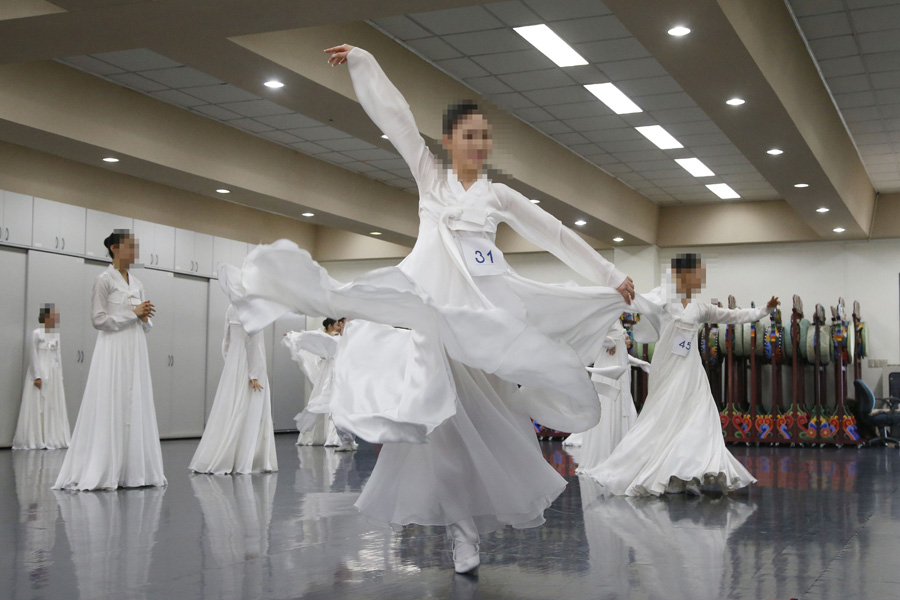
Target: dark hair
[458, 111]
[328, 322]
[685, 262]
[44, 312]
[342, 319]
[115, 238]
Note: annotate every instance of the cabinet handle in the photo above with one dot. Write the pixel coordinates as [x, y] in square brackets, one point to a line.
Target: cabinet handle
[194, 266]
[57, 243]
[7, 234]
[64, 244]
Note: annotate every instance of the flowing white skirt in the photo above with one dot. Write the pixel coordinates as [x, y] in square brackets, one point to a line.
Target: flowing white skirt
[321, 433]
[116, 439]
[239, 436]
[43, 420]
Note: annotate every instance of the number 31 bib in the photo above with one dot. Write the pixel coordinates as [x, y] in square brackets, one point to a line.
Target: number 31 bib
[482, 257]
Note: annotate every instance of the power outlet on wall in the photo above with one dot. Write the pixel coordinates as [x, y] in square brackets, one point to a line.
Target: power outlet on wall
[877, 363]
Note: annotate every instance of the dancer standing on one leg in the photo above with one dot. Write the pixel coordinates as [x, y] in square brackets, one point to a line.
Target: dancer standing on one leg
[116, 439]
[43, 421]
[239, 436]
[676, 443]
[442, 380]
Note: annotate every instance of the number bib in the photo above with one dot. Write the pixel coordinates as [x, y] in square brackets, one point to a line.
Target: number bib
[482, 257]
[683, 342]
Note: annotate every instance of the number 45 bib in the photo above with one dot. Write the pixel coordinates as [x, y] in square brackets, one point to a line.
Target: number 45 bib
[683, 342]
[482, 257]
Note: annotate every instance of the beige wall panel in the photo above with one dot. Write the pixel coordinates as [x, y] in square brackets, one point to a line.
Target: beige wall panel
[732, 223]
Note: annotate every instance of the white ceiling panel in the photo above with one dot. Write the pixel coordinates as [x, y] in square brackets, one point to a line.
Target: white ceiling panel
[180, 77]
[536, 80]
[458, 20]
[216, 112]
[139, 59]
[434, 48]
[838, 67]
[178, 98]
[487, 42]
[590, 29]
[464, 68]
[137, 82]
[220, 94]
[826, 25]
[345, 144]
[556, 10]
[256, 108]
[612, 50]
[402, 27]
[834, 47]
[513, 62]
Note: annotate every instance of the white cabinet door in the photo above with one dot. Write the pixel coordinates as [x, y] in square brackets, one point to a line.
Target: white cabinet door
[164, 247]
[290, 391]
[159, 289]
[58, 226]
[184, 250]
[16, 218]
[72, 220]
[227, 251]
[98, 227]
[203, 254]
[145, 232]
[12, 299]
[186, 412]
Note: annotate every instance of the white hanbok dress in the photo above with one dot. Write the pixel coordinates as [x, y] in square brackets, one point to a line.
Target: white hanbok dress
[431, 367]
[116, 439]
[43, 420]
[314, 352]
[618, 412]
[239, 436]
[678, 433]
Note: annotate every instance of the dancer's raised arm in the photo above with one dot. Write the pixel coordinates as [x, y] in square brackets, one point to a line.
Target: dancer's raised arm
[714, 314]
[387, 108]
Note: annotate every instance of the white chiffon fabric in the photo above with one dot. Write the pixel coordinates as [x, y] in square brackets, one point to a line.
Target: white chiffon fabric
[678, 433]
[43, 420]
[314, 351]
[618, 412]
[239, 436]
[431, 365]
[116, 440]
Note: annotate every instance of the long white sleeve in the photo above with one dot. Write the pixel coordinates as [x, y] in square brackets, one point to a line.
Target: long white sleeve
[388, 109]
[256, 357]
[100, 316]
[37, 369]
[148, 324]
[710, 313]
[544, 230]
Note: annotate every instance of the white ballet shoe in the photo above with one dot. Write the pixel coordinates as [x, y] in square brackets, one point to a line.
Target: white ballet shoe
[348, 447]
[466, 550]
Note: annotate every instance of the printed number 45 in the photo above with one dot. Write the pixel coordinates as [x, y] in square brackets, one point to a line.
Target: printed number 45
[480, 258]
[685, 345]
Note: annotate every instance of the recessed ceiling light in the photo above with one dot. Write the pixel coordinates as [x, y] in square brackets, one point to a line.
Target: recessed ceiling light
[839, 230]
[679, 31]
[580, 223]
[774, 151]
[375, 233]
[223, 191]
[535, 201]
[274, 84]
[735, 101]
[801, 185]
[551, 45]
[613, 97]
[384, 137]
[723, 191]
[309, 214]
[110, 159]
[618, 239]
[659, 136]
[695, 167]
[822, 210]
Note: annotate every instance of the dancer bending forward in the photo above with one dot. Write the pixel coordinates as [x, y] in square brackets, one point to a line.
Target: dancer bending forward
[416, 371]
[676, 443]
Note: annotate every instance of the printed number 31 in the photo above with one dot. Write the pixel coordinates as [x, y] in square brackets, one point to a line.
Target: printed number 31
[480, 258]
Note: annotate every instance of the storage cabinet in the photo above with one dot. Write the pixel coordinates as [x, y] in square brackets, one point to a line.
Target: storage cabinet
[157, 244]
[227, 251]
[98, 227]
[193, 252]
[58, 226]
[12, 368]
[15, 218]
[290, 389]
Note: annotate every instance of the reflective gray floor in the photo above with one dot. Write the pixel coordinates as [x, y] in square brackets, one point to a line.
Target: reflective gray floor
[821, 524]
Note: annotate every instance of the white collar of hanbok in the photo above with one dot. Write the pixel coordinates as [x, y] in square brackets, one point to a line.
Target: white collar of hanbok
[457, 185]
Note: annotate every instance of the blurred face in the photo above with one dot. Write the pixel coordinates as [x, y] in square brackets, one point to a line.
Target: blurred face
[126, 253]
[470, 143]
[691, 281]
[52, 319]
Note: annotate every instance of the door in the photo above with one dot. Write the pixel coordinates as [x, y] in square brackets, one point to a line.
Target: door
[159, 289]
[13, 265]
[188, 395]
[16, 219]
[290, 391]
[217, 304]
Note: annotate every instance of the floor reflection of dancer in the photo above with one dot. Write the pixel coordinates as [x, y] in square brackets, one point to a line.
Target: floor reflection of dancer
[442, 380]
[314, 351]
[676, 443]
[239, 436]
[116, 439]
[43, 421]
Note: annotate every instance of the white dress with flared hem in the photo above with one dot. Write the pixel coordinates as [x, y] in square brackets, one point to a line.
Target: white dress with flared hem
[116, 439]
[415, 369]
[239, 436]
[678, 434]
[43, 422]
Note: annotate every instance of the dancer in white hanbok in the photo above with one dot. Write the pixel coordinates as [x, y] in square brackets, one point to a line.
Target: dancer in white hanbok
[43, 420]
[239, 436]
[116, 439]
[618, 413]
[314, 351]
[676, 443]
[431, 367]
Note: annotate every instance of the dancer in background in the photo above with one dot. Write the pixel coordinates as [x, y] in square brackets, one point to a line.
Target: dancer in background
[116, 439]
[676, 443]
[239, 436]
[433, 364]
[314, 351]
[43, 421]
[618, 412]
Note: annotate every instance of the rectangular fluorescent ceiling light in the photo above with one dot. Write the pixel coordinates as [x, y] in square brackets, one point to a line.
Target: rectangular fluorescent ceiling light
[553, 46]
[613, 97]
[659, 136]
[695, 167]
[723, 191]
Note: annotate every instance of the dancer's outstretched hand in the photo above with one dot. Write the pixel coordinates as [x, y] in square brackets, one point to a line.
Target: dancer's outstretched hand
[627, 290]
[773, 303]
[338, 54]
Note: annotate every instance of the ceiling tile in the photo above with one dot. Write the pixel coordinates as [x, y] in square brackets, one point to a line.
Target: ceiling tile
[652, 165]
[570, 138]
[536, 80]
[602, 158]
[176, 97]
[290, 121]
[716, 151]
[280, 136]
[586, 149]
[92, 65]
[216, 112]
[559, 95]
[220, 94]
[855, 100]
[849, 84]
[590, 29]
[389, 164]
[554, 10]
[324, 132]
[881, 159]
[679, 115]
[586, 74]
[434, 48]
[880, 41]
[250, 125]
[511, 101]
[867, 113]
[360, 166]
[816, 7]
[336, 157]
[256, 108]
[704, 139]
[309, 147]
[579, 109]
[488, 85]
[534, 114]
[612, 50]
[664, 101]
[373, 154]
[402, 27]
[876, 19]
[514, 13]
[458, 20]
[648, 86]
[617, 168]
[180, 77]
[133, 80]
[886, 79]
[344, 144]
[139, 59]
[693, 128]
[514, 62]
[730, 169]
[631, 69]
[669, 174]
[619, 147]
[835, 47]
[613, 135]
[826, 25]
[463, 68]
[642, 156]
[487, 42]
[888, 96]
[595, 123]
[892, 124]
[837, 67]
[885, 61]
[553, 127]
